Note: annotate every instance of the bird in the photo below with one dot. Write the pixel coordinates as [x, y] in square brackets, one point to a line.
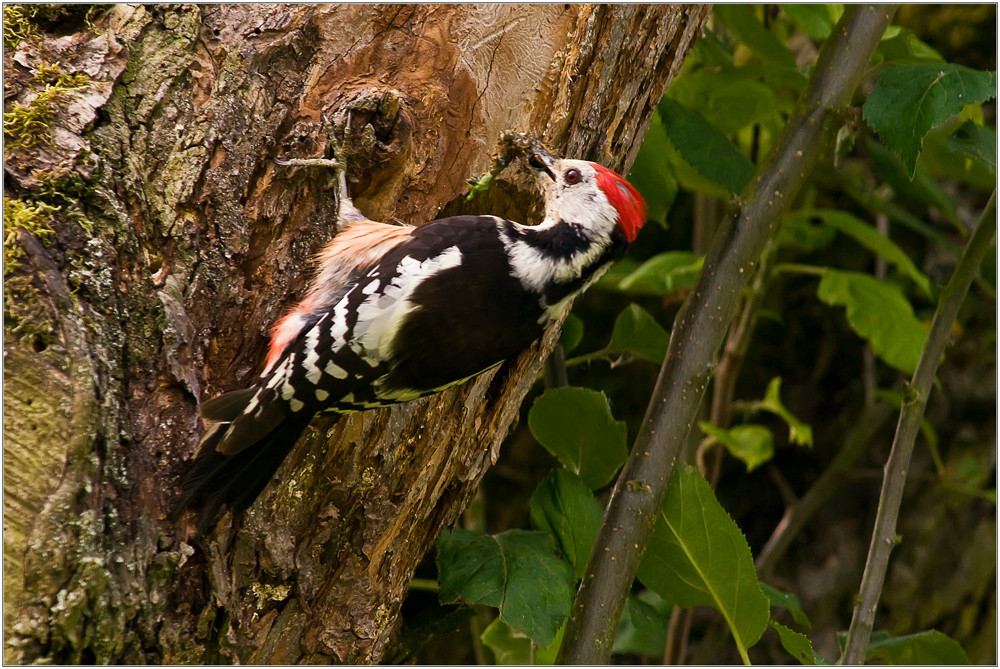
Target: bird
[398, 312]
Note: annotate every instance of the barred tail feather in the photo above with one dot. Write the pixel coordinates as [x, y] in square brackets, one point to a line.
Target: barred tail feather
[234, 479]
[216, 480]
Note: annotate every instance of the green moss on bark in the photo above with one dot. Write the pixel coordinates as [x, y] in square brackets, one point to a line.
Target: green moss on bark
[27, 124]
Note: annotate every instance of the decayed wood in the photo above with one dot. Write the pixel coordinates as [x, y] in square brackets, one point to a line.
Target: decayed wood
[191, 244]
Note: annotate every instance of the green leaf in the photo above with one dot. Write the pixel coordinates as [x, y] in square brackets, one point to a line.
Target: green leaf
[871, 239]
[902, 46]
[572, 333]
[942, 163]
[691, 179]
[511, 646]
[977, 142]
[753, 444]
[652, 174]
[643, 626]
[470, 566]
[698, 557]
[704, 147]
[879, 313]
[919, 188]
[576, 426]
[638, 333]
[564, 507]
[516, 571]
[797, 644]
[928, 647]
[618, 271]
[787, 600]
[909, 100]
[664, 274]
[815, 20]
[799, 232]
[730, 98]
[741, 21]
[709, 50]
[798, 432]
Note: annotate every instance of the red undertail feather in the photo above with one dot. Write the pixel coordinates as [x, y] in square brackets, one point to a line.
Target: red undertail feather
[625, 198]
[284, 332]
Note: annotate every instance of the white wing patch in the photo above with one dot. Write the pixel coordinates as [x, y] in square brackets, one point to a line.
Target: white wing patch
[338, 324]
[335, 371]
[381, 315]
[313, 372]
[279, 374]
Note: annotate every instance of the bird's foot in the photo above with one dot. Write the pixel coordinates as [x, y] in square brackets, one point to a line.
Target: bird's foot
[346, 211]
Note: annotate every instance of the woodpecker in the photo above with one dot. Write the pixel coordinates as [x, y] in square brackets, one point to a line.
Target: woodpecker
[395, 313]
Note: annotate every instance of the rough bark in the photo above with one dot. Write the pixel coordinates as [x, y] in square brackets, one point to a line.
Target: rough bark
[179, 242]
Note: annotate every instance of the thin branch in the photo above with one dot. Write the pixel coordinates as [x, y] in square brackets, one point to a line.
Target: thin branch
[723, 390]
[735, 351]
[678, 629]
[699, 330]
[554, 372]
[795, 518]
[910, 415]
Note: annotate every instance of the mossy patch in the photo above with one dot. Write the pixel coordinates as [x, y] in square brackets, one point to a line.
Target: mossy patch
[17, 24]
[29, 123]
[35, 217]
[25, 21]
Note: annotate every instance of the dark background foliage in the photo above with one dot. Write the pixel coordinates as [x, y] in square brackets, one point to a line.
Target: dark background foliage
[942, 574]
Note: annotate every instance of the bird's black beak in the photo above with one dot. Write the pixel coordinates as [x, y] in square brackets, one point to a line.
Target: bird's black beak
[540, 160]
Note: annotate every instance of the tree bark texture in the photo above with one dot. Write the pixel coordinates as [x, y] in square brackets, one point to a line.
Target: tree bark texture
[181, 242]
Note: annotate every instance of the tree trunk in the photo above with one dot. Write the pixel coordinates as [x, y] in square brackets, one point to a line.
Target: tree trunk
[178, 242]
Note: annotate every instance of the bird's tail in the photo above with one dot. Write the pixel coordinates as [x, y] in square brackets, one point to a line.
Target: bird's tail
[216, 479]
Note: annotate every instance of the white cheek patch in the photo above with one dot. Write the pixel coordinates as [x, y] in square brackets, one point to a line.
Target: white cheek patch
[535, 270]
[381, 315]
[590, 209]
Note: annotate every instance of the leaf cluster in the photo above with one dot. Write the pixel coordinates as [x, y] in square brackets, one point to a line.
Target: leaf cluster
[835, 320]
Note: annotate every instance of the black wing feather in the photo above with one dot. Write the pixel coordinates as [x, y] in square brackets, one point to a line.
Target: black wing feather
[227, 406]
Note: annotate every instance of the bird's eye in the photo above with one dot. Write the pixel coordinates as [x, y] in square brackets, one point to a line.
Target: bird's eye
[572, 176]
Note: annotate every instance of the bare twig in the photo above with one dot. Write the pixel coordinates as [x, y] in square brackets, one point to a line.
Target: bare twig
[723, 390]
[910, 415]
[678, 629]
[554, 372]
[857, 440]
[699, 330]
